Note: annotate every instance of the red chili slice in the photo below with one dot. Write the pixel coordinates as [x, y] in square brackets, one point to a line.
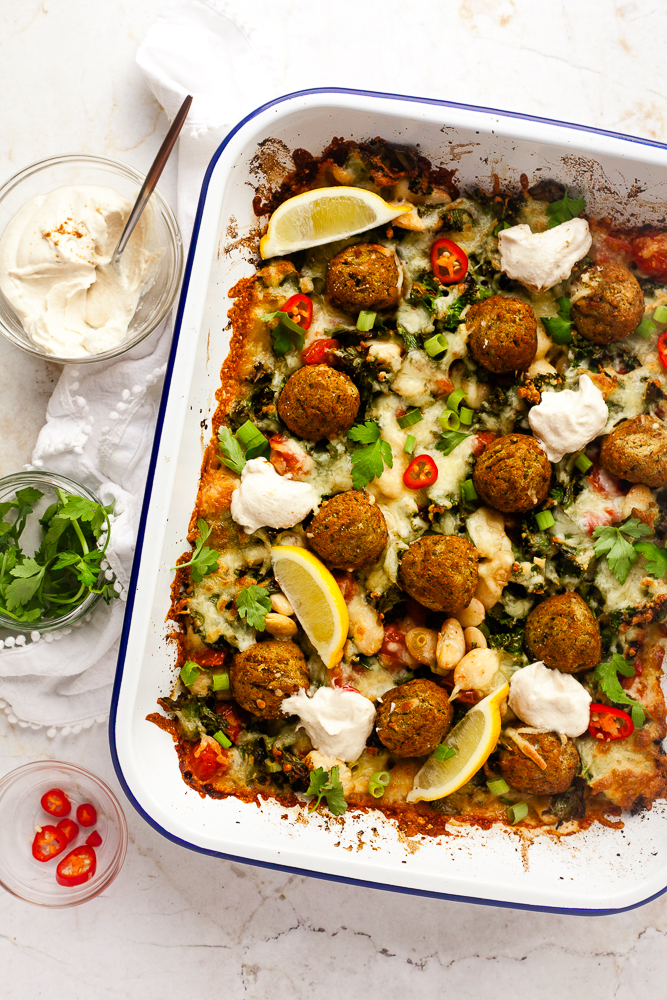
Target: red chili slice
[77, 867]
[448, 261]
[94, 840]
[300, 310]
[56, 802]
[662, 348]
[48, 842]
[69, 828]
[422, 471]
[86, 814]
[320, 352]
[607, 723]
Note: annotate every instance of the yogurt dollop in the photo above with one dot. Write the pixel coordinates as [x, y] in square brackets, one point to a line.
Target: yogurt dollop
[541, 260]
[564, 422]
[549, 699]
[56, 271]
[266, 500]
[338, 722]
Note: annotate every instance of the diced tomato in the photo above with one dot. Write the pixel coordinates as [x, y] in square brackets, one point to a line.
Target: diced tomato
[209, 657]
[610, 249]
[421, 472]
[77, 867]
[448, 262]
[650, 255]
[49, 841]
[287, 456]
[320, 352]
[69, 828]
[604, 482]
[86, 814]
[394, 653]
[56, 802]
[300, 310]
[442, 387]
[662, 348]
[599, 520]
[234, 722]
[94, 840]
[607, 723]
[482, 441]
[206, 761]
[347, 584]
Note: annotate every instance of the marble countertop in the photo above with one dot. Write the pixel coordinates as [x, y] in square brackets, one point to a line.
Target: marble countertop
[176, 922]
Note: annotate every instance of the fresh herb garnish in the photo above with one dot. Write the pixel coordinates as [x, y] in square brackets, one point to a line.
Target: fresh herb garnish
[231, 450]
[656, 558]
[285, 334]
[328, 786]
[621, 554]
[368, 462]
[559, 327]
[203, 560]
[564, 210]
[449, 441]
[253, 604]
[606, 675]
[410, 341]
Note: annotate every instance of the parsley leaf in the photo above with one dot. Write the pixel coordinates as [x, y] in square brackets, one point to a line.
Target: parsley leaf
[365, 433]
[606, 675]
[368, 462]
[325, 785]
[253, 603]
[231, 450]
[28, 575]
[203, 560]
[621, 554]
[564, 210]
[656, 558]
[449, 441]
[286, 334]
[559, 327]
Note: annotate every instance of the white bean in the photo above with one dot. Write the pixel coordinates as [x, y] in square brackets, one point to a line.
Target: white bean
[475, 671]
[422, 644]
[473, 615]
[451, 646]
[281, 605]
[474, 639]
[280, 626]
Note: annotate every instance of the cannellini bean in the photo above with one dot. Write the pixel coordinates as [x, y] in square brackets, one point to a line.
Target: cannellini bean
[366, 628]
[280, 626]
[476, 392]
[474, 639]
[475, 671]
[422, 644]
[451, 646]
[281, 605]
[473, 615]
[640, 497]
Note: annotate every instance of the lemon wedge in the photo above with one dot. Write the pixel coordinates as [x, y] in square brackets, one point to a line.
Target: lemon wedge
[324, 215]
[316, 598]
[473, 738]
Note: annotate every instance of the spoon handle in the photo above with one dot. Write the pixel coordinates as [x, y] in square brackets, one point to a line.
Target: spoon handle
[153, 176]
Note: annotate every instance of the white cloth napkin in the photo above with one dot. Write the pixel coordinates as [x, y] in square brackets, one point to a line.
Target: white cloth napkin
[101, 418]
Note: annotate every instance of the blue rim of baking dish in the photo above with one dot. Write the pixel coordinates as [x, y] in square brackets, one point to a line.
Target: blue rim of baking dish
[132, 587]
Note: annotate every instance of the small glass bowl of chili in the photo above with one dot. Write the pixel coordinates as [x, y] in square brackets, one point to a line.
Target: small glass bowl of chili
[21, 814]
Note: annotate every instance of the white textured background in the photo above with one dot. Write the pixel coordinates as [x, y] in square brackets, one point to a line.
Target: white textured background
[176, 923]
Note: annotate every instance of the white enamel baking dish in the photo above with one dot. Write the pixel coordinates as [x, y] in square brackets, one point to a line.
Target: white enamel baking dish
[599, 871]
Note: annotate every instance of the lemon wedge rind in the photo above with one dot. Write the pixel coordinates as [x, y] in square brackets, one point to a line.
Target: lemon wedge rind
[474, 739]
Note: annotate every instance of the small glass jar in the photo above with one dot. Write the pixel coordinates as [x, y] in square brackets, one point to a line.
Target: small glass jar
[46, 482]
[60, 171]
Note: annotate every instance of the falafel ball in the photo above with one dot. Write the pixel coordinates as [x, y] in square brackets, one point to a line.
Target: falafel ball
[440, 571]
[502, 334]
[318, 402]
[265, 673]
[563, 633]
[513, 473]
[636, 450]
[349, 531]
[413, 718]
[364, 276]
[612, 305]
[524, 775]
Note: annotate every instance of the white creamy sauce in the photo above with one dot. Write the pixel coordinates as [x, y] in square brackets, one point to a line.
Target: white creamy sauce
[338, 722]
[549, 699]
[565, 422]
[541, 260]
[266, 500]
[56, 271]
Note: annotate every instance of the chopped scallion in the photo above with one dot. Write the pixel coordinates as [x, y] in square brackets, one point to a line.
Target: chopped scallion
[220, 682]
[365, 321]
[409, 445]
[517, 812]
[223, 740]
[545, 519]
[468, 491]
[583, 463]
[189, 672]
[377, 783]
[466, 415]
[455, 399]
[660, 315]
[409, 419]
[443, 752]
[449, 421]
[272, 766]
[645, 328]
[498, 787]
[436, 345]
[256, 445]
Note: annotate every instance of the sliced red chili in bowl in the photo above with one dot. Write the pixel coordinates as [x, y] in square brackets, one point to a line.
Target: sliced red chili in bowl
[320, 352]
[77, 867]
[300, 310]
[448, 262]
[94, 840]
[86, 814]
[422, 471]
[69, 828]
[607, 723]
[56, 802]
[48, 843]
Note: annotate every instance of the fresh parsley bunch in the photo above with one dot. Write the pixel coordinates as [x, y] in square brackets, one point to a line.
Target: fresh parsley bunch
[622, 553]
[369, 461]
[66, 567]
[327, 785]
[606, 675]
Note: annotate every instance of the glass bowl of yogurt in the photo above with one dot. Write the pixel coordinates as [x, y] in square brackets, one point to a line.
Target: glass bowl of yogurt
[61, 298]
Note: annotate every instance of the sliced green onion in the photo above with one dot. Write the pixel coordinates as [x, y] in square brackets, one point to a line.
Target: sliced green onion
[377, 783]
[382, 777]
[222, 739]
[272, 766]
[409, 445]
[466, 415]
[517, 812]
[645, 328]
[253, 440]
[660, 315]
[409, 419]
[455, 399]
[468, 491]
[449, 421]
[377, 791]
[189, 672]
[498, 787]
[221, 682]
[583, 463]
[442, 752]
[365, 321]
[436, 345]
[545, 519]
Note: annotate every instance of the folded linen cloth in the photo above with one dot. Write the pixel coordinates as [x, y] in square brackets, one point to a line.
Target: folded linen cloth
[100, 420]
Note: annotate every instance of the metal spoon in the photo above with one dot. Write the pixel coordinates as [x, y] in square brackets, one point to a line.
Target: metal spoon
[152, 177]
